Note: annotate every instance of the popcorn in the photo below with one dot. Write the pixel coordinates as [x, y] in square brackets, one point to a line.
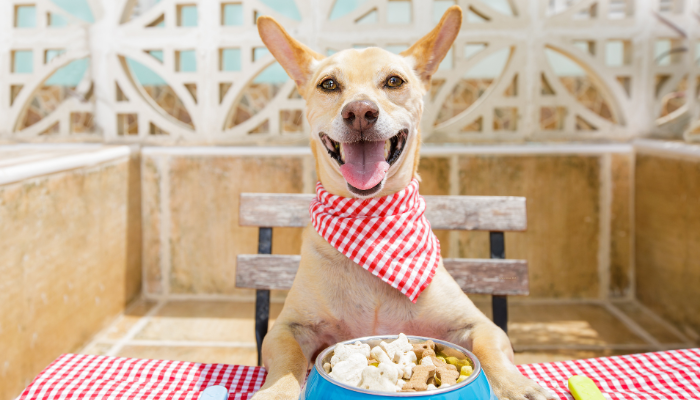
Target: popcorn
[396, 366]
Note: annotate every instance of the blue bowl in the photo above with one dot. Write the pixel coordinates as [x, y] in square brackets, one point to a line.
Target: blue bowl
[321, 386]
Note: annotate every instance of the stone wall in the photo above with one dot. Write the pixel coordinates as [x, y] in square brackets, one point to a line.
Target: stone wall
[578, 241]
[575, 247]
[667, 227]
[190, 207]
[65, 267]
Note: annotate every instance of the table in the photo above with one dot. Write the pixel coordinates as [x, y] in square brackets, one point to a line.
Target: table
[671, 375]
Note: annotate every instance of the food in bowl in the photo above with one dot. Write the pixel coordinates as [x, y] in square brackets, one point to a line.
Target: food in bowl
[397, 366]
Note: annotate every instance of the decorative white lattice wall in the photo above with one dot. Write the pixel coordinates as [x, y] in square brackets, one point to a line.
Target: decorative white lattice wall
[196, 72]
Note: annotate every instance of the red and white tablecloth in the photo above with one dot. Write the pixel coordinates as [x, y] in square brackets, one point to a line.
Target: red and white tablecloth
[668, 375]
[86, 377]
[664, 375]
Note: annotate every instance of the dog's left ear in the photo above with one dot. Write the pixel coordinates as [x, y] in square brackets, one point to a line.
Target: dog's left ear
[294, 57]
[429, 51]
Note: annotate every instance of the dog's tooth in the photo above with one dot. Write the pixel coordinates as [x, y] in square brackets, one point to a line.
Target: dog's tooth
[342, 151]
[387, 148]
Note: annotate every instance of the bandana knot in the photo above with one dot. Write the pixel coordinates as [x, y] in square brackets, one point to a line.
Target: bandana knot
[387, 236]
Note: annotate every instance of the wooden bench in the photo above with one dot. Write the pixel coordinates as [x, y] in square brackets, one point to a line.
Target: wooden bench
[495, 276]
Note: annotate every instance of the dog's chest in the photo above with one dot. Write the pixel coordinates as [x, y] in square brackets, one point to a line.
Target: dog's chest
[364, 303]
[348, 301]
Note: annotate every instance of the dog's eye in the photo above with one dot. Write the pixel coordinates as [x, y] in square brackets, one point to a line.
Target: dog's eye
[329, 84]
[394, 82]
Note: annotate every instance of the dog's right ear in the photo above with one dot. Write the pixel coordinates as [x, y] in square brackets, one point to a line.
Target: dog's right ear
[294, 57]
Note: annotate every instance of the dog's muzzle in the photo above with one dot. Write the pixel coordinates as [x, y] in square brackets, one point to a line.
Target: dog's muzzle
[364, 163]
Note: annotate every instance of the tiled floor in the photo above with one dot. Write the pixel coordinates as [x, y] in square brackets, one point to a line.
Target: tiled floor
[541, 330]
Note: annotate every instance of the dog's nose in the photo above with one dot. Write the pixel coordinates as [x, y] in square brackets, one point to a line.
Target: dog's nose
[360, 114]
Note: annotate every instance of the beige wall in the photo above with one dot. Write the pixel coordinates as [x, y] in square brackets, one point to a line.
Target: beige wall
[191, 232]
[64, 270]
[574, 247]
[667, 226]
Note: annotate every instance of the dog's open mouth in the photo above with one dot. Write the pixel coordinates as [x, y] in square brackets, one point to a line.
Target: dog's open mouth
[364, 164]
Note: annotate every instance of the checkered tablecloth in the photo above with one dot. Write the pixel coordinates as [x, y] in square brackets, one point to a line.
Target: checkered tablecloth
[665, 375]
[85, 377]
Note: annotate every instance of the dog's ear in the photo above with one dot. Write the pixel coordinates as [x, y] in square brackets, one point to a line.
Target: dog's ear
[294, 57]
[429, 51]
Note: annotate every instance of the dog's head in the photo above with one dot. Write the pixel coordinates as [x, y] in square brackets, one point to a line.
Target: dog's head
[364, 106]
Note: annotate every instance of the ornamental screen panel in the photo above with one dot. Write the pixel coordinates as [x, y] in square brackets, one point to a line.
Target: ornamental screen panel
[196, 72]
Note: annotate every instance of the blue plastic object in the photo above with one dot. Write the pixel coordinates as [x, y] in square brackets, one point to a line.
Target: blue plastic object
[321, 386]
[214, 393]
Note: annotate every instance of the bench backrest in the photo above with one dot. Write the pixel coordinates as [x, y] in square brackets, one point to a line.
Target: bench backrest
[496, 276]
[472, 213]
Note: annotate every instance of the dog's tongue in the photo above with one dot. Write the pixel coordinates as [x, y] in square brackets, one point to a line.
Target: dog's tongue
[365, 165]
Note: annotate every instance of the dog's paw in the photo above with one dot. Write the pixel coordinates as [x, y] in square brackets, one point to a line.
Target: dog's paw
[514, 386]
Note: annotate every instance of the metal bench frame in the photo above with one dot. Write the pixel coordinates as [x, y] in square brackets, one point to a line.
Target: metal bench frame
[496, 276]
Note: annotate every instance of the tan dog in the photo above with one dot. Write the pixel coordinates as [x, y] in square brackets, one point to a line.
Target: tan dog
[364, 108]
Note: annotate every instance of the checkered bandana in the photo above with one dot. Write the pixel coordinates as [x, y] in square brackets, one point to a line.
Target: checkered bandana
[388, 236]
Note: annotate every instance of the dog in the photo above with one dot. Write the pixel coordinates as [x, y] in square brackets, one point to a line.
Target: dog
[364, 109]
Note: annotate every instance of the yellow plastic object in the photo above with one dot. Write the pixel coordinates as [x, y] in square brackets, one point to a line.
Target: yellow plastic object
[583, 388]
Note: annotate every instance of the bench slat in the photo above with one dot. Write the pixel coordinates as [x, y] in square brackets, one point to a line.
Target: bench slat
[482, 276]
[486, 213]
[262, 271]
[271, 210]
[489, 276]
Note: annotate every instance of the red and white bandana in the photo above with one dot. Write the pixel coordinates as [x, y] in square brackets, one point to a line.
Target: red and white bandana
[388, 236]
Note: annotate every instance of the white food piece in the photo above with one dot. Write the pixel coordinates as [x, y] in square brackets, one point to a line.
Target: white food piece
[382, 378]
[399, 345]
[343, 351]
[399, 384]
[349, 371]
[406, 361]
[432, 387]
[327, 367]
[379, 355]
[426, 361]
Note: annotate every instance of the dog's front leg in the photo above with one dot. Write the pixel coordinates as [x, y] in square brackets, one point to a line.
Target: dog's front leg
[493, 349]
[285, 363]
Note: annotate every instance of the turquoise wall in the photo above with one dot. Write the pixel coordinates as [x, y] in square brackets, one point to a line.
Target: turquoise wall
[398, 12]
